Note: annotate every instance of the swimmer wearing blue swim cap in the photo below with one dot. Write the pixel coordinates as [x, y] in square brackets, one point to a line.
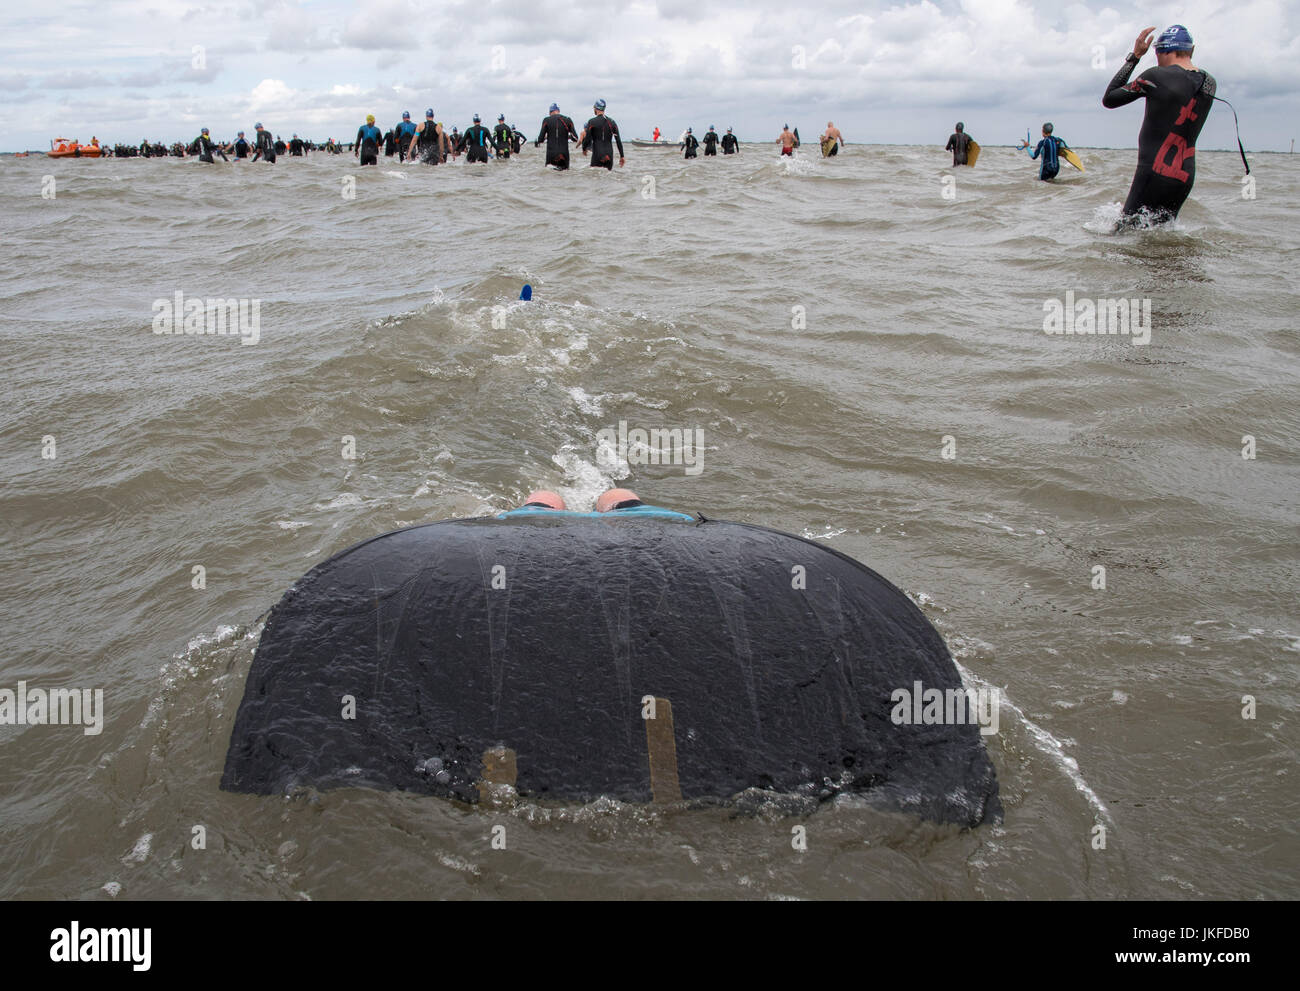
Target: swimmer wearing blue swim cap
[1179, 96]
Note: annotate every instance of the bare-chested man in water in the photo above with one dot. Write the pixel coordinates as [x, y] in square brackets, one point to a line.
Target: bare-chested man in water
[787, 141]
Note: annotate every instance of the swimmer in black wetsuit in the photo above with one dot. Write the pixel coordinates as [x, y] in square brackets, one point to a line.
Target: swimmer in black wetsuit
[369, 138]
[264, 147]
[691, 143]
[502, 138]
[241, 146]
[430, 140]
[730, 146]
[557, 131]
[1178, 98]
[476, 140]
[206, 147]
[599, 136]
[958, 144]
[711, 141]
[297, 147]
[402, 134]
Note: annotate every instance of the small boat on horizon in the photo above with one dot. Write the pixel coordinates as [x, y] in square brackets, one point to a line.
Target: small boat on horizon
[63, 148]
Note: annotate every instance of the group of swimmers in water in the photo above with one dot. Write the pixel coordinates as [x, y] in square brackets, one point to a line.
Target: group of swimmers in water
[690, 144]
[429, 143]
[1178, 98]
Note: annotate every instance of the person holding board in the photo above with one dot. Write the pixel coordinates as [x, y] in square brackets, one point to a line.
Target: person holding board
[960, 144]
[831, 140]
[1050, 148]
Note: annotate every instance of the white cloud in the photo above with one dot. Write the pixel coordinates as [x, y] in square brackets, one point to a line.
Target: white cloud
[273, 94]
[385, 25]
[293, 29]
[75, 79]
[888, 70]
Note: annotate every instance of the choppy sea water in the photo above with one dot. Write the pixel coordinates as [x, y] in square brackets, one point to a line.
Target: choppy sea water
[861, 342]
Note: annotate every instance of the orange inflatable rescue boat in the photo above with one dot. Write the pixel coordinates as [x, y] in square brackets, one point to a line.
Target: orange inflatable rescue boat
[63, 148]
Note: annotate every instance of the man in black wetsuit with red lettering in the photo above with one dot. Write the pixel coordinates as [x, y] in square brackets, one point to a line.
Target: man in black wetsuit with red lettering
[1178, 98]
[599, 136]
[557, 131]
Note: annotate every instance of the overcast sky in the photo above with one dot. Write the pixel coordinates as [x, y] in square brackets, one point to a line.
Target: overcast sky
[884, 72]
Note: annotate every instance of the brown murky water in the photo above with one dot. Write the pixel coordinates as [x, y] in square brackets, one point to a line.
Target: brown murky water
[922, 318]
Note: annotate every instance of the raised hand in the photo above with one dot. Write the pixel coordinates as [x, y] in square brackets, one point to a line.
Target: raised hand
[1143, 42]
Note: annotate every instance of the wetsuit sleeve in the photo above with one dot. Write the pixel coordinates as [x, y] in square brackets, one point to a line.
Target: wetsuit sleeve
[1119, 91]
[951, 145]
[541, 135]
[617, 139]
[572, 130]
[358, 141]
[1038, 149]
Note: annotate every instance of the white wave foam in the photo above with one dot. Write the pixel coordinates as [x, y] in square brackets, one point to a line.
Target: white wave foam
[586, 481]
[222, 634]
[586, 402]
[344, 500]
[1105, 219]
[140, 852]
[808, 534]
[797, 164]
[1049, 745]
